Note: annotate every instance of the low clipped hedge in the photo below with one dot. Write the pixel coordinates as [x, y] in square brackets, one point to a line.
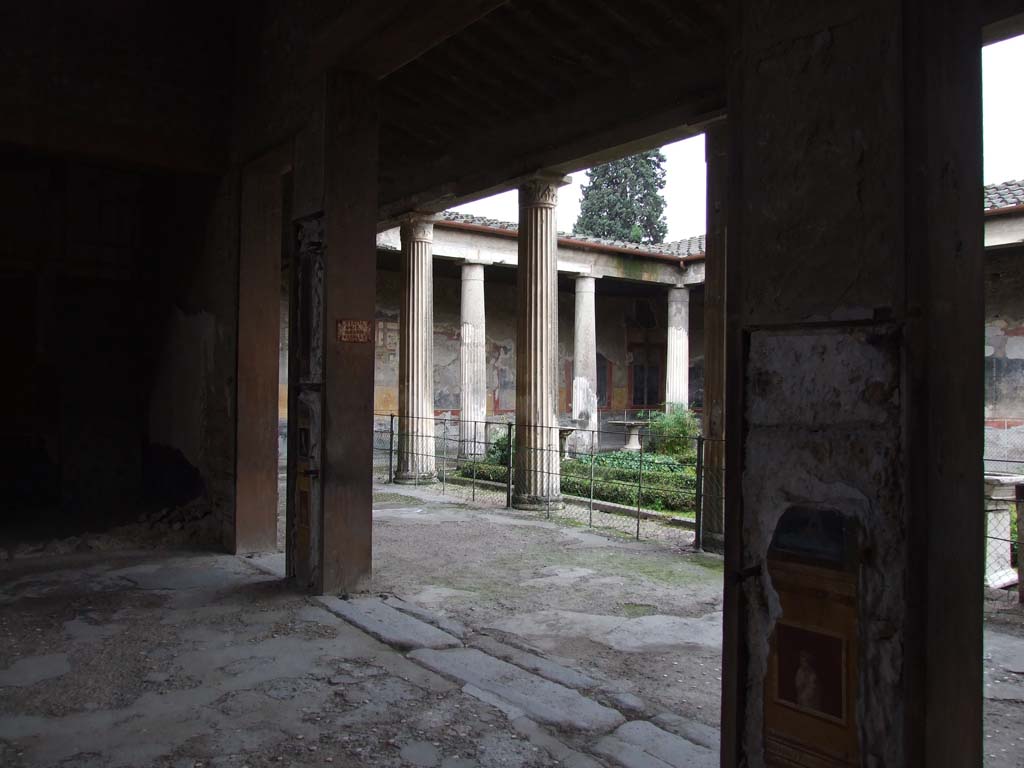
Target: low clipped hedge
[668, 484]
[496, 473]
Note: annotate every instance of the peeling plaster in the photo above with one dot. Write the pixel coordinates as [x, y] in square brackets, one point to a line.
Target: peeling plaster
[823, 416]
[1015, 347]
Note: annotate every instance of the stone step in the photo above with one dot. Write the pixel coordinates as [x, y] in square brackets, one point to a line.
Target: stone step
[546, 668]
[539, 699]
[388, 625]
[640, 744]
[691, 730]
[451, 626]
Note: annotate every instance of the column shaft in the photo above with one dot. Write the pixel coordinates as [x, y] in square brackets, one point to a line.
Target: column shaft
[537, 481]
[677, 365]
[716, 149]
[416, 353]
[584, 366]
[473, 360]
[344, 530]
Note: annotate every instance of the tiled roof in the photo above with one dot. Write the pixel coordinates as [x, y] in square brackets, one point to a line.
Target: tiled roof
[1008, 194]
[479, 221]
[692, 246]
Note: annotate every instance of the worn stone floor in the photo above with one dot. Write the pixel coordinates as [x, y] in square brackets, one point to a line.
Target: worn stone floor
[644, 615]
[178, 659]
[484, 639]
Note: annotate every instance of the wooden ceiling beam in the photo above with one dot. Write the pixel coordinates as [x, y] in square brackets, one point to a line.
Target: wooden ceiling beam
[1002, 19]
[669, 99]
[379, 37]
[483, 79]
[502, 54]
[639, 33]
[596, 36]
[578, 56]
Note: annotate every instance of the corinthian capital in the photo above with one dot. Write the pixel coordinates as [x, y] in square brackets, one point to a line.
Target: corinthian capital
[542, 190]
[418, 226]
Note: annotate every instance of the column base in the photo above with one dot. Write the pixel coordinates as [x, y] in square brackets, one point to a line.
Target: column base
[415, 478]
[713, 542]
[537, 503]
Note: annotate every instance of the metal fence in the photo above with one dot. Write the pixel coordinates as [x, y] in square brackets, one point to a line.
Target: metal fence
[1004, 501]
[645, 481]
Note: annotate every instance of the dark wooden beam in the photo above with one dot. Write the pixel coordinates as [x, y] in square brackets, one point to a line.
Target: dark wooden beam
[669, 100]
[378, 37]
[1003, 19]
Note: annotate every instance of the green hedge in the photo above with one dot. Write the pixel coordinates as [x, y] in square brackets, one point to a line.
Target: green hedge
[668, 484]
[496, 473]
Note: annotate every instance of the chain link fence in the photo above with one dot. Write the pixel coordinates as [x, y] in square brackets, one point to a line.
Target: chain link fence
[1004, 500]
[643, 479]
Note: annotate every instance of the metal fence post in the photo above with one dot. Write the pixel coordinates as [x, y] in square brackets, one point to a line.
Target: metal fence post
[547, 488]
[476, 460]
[639, 486]
[444, 455]
[593, 439]
[508, 469]
[391, 451]
[1018, 508]
[698, 500]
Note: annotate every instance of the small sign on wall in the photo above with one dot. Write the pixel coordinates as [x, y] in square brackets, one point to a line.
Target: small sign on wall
[354, 331]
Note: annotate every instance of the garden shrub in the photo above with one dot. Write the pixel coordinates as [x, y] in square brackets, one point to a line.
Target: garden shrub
[674, 433]
[669, 482]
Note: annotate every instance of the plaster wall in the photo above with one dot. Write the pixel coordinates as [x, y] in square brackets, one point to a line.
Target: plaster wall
[1004, 229]
[1004, 359]
[122, 396]
[617, 332]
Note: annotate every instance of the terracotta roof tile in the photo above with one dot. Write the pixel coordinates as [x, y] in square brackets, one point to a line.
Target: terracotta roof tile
[1008, 194]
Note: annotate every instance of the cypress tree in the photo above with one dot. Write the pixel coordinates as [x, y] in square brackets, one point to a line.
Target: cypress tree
[622, 200]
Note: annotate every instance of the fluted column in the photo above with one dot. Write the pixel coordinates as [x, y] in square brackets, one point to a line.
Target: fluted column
[584, 365]
[537, 466]
[677, 366]
[416, 352]
[473, 360]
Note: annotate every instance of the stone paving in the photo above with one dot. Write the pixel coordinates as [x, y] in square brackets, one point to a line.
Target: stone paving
[576, 650]
[204, 660]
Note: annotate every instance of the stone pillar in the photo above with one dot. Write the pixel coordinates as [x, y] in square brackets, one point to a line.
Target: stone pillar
[473, 362]
[342, 555]
[854, 381]
[259, 282]
[716, 154]
[416, 352]
[537, 482]
[677, 364]
[584, 365]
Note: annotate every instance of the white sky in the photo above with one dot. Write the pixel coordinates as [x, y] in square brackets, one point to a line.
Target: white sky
[1003, 115]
